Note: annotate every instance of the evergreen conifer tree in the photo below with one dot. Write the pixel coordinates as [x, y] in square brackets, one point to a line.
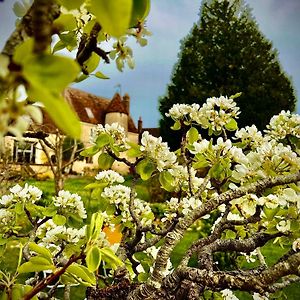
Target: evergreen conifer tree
[226, 53]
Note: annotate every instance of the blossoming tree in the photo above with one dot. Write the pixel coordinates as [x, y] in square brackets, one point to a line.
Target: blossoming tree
[245, 190]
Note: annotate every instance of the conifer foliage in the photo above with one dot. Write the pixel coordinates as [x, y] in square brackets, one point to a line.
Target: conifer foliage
[223, 54]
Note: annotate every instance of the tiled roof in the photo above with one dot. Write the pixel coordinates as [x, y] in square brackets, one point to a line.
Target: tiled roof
[116, 105]
[90, 108]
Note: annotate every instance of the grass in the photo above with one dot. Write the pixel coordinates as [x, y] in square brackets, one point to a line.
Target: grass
[74, 185]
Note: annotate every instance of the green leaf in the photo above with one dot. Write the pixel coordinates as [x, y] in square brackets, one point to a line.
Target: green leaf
[140, 11]
[58, 46]
[230, 234]
[82, 273]
[200, 162]
[29, 267]
[65, 22]
[231, 125]
[145, 168]
[166, 180]
[19, 208]
[49, 211]
[69, 39]
[49, 72]
[134, 151]
[90, 151]
[192, 135]
[176, 126]
[23, 52]
[93, 258]
[113, 16]
[105, 161]
[74, 4]
[58, 109]
[142, 277]
[100, 75]
[19, 291]
[40, 260]
[109, 257]
[102, 140]
[92, 63]
[96, 223]
[235, 95]
[44, 252]
[59, 220]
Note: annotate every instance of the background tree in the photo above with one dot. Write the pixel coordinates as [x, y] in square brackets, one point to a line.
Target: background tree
[225, 53]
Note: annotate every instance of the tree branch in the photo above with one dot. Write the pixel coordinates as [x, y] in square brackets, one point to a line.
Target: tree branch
[172, 238]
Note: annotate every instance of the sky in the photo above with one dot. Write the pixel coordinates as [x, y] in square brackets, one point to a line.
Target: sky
[170, 21]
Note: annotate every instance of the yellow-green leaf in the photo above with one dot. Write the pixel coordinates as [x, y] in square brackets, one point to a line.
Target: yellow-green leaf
[145, 168]
[140, 11]
[92, 63]
[114, 16]
[93, 258]
[70, 4]
[40, 250]
[110, 257]
[82, 273]
[50, 72]
[58, 109]
[166, 180]
[29, 267]
[101, 75]
[105, 161]
[66, 22]
[89, 151]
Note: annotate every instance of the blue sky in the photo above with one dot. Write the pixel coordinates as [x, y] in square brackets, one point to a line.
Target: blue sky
[170, 21]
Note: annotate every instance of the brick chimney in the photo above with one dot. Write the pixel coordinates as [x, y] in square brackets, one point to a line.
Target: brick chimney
[126, 102]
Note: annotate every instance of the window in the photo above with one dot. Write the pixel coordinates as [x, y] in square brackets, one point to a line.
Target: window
[24, 152]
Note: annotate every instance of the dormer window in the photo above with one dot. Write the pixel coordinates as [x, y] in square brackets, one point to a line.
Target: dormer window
[89, 113]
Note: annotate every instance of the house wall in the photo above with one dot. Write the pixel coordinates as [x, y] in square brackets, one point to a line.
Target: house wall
[40, 164]
[116, 117]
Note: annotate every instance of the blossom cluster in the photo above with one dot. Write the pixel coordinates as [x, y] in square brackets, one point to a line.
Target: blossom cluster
[110, 177]
[215, 114]
[68, 203]
[184, 206]
[223, 148]
[53, 237]
[115, 130]
[249, 136]
[157, 151]
[268, 159]
[119, 196]
[283, 125]
[26, 194]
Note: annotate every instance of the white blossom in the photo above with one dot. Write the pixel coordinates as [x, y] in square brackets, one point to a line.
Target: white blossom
[110, 177]
[283, 125]
[234, 217]
[6, 217]
[284, 226]
[250, 136]
[228, 295]
[257, 296]
[157, 151]
[6, 200]
[70, 203]
[296, 245]
[115, 130]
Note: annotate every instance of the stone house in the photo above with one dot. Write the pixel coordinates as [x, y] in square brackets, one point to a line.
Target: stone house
[91, 110]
